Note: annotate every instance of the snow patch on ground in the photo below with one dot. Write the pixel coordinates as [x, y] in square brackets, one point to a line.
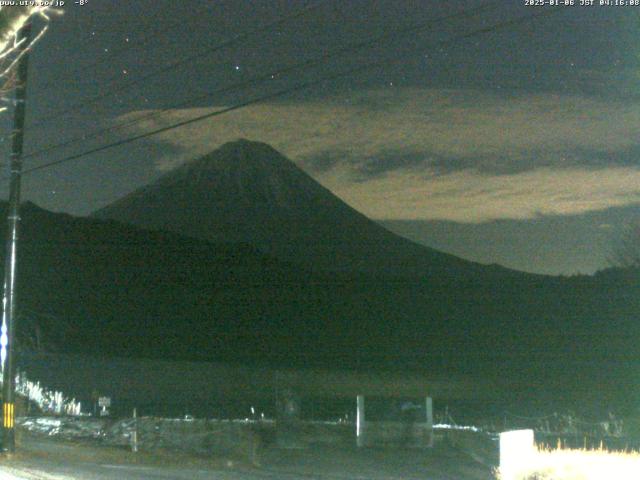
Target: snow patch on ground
[7, 473]
[66, 427]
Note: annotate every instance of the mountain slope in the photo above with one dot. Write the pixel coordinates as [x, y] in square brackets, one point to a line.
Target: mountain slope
[100, 287]
[247, 192]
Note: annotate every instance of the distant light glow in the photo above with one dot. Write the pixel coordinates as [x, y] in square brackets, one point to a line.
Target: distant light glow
[18, 18]
[15, 18]
[49, 401]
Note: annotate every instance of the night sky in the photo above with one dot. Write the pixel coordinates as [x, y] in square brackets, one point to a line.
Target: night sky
[517, 146]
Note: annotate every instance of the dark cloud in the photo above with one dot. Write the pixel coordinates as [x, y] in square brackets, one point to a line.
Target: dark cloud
[462, 155]
[384, 162]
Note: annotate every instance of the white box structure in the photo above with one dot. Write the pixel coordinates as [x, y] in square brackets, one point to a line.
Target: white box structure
[517, 452]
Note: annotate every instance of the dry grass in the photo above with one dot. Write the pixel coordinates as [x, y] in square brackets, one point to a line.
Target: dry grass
[566, 464]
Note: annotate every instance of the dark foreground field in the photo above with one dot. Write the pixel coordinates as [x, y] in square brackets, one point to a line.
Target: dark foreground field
[40, 457]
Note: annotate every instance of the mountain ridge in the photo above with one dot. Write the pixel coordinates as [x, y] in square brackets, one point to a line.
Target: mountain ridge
[248, 192]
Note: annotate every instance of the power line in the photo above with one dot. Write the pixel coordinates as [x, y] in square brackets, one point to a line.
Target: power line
[268, 76]
[280, 93]
[154, 73]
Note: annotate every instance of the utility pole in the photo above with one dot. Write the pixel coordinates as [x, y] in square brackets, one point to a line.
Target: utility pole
[10, 261]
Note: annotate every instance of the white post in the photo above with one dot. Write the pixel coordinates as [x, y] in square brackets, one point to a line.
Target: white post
[517, 452]
[360, 421]
[134, 434]
[428, 406]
